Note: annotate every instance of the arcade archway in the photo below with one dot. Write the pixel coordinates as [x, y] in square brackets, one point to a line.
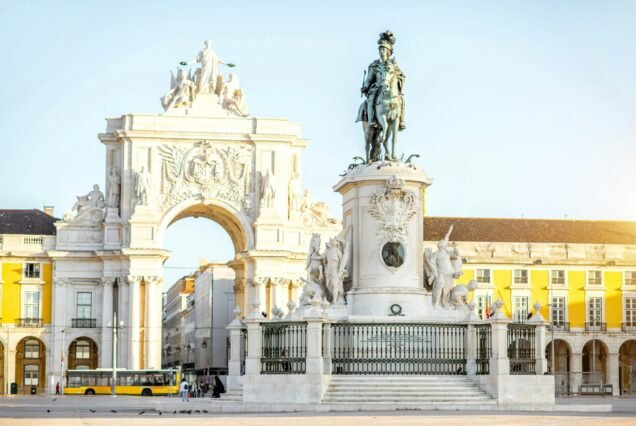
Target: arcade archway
[30, 365]
[595, 362]
[82, 354]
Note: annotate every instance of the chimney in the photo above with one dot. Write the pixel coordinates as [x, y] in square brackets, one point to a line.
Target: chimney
[50, 210]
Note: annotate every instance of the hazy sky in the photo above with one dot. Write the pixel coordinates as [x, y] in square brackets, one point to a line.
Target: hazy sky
[516, 108]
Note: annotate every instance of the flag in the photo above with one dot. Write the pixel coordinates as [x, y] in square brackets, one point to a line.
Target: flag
[487, 309]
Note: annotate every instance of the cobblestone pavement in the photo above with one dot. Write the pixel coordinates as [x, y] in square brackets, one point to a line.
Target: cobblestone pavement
[70, 411]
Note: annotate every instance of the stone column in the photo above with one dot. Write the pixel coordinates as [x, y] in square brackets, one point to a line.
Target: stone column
[314, 362]
[153, 322]
[59, 323]
[540, 340]
[576, 372]
[471, 349]
[234, 381]
[499, 362]
[326, 361]
[105, 349]
[612, 373]
[255, 343]
[134, 283]
[257, 285]
[123, 315]
[10, 357]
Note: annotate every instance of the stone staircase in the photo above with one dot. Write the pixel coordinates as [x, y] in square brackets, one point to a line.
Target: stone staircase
[432, 392]
[230, 396]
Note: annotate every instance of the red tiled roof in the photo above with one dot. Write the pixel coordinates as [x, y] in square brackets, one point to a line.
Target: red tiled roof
[30, 222]
[530, 230]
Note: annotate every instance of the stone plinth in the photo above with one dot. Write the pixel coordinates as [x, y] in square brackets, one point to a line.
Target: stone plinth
[383, 208]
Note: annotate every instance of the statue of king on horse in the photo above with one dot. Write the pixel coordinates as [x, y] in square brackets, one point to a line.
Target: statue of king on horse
[382, 113]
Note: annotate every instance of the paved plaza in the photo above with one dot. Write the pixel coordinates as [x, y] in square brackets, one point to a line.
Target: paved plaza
[102, 410]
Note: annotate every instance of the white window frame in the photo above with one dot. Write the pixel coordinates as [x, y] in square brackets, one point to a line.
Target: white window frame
[30, 289]
[626, 285]
[587, 308]
[85, 344]
[77, 305]
[561, 295]
[489, 282]
[515, 315]
[24, 271]
[565, 278]
[587, 279]
[629, 295]
[514, 281]
[36, 369]
[478, 294]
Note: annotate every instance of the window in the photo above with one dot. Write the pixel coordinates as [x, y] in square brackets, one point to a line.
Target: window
[520, 309]
[31, 304]
[521, 276]
[84, 305]
[483, 276]
[630, 311]
[31, 375]
[483, 302]
[595, 310]
[630, 278]
[594, 278]
[82, 350]
[558, 277]
[32, 349]
[31, 270]
[557, 311]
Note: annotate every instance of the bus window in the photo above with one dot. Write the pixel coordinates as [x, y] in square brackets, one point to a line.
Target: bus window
[159, 380]
[103, 379]
[88, 380]
[74, 381]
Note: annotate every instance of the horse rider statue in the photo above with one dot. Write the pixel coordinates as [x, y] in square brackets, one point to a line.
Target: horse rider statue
[382, 113]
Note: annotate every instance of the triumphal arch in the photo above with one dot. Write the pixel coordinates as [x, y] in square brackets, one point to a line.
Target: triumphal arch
[204, 156]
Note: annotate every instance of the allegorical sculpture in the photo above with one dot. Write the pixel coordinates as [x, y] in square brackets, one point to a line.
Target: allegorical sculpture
[88, 209]
[204, 80]
[142, 186]
[113, 189]
[441, 269]
[382, 112]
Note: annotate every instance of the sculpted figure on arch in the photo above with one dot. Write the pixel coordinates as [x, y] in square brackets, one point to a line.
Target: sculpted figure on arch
[382, 112]
[206, 75]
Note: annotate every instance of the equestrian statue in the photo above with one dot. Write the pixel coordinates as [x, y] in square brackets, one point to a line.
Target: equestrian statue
[382, 112]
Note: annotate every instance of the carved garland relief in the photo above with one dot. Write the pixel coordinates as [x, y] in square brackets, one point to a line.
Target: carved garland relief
[205, 172]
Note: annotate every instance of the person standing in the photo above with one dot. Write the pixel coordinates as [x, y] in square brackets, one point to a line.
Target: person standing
[218, 387]
[183, 390]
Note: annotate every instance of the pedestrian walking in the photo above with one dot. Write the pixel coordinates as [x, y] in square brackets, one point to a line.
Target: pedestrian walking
[57, 388]
[183, 390]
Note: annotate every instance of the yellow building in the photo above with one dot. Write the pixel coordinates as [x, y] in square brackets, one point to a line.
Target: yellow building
[582, 273]
[25, 299]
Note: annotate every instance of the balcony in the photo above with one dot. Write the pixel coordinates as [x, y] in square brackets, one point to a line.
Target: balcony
[83, 323]
[30, 322]
[628, 326]
[595, 326]
[559, 326]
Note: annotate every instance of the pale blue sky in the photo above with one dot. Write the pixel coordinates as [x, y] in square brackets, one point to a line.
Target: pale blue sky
[516, 107]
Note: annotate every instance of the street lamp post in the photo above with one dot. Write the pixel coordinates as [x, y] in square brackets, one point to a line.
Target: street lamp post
[115, 326]
[62, 365]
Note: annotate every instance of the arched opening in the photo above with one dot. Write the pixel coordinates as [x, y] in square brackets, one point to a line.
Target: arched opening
[30, 365]
[561, 367]
[594, 362]
[199, 285]
[82, 354]
[627, 367]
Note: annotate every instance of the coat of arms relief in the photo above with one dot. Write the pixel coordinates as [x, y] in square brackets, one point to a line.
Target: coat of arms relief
[394, 207]
[205, 172]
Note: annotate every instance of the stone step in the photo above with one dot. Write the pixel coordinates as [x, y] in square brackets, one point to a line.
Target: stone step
[417, 392]
[393, 399]
[398, 379]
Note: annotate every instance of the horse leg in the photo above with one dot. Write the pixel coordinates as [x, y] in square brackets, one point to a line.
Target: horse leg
[367, 141]
[394, 131]
[385, 128]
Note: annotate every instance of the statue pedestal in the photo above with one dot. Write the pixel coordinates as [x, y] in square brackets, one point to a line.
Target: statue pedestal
[383, 208]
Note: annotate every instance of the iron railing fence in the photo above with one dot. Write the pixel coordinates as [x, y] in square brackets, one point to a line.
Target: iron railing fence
[484, 348]
[284, 348]
[595, 326]
[30, 322]
[521, 348]
[628, 326]
[243, 350]
[83, 323]
[559, 326]
[398, 348]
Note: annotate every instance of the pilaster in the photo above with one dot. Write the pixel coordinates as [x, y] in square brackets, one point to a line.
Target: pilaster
[106, 355]
[134, 283]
